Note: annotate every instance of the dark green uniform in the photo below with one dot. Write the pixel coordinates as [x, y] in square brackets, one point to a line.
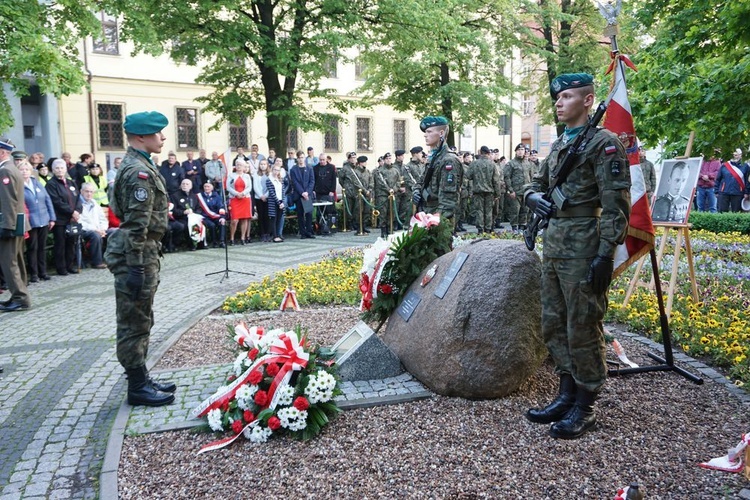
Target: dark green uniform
[516, 175]
[140, 202]
[411, 173]
[487, 185]
[598, 193]
[443, 191]
[649, 177]
[366, 177]
[386, 182]
[403, 200]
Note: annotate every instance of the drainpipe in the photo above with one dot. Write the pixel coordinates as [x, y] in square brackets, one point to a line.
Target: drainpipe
[89, 77]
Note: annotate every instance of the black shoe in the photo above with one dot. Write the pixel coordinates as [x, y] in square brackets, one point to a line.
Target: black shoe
[231, 243]
[163, 387]
[579, 419]
[62, 273]
[222, 245]
[13, 306]
[45, 277]
[367, 231]
[141, 392]
[558, 408]
[311, 236]
[34, 279]
[72, 270]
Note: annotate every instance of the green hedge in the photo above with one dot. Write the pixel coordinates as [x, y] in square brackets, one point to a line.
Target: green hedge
[721, 223]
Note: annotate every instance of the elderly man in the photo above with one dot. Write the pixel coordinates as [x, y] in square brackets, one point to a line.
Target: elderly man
[211, 207]
[94, 225]
[13, 224]
[140, 202]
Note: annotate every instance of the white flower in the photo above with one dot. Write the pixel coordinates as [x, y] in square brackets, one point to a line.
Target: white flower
[240, 364]
[214, 420]
[258, 434]
[286, 395]
[244, 396]
[293, 419]
[221, 390]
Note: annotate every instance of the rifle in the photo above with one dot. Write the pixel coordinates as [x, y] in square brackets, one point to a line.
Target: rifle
[553, 193]
[429, 172]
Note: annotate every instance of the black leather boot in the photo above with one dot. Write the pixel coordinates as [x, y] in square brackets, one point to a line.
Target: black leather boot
[140, 391]
[162, 386]
[578, 420]
[558, 408]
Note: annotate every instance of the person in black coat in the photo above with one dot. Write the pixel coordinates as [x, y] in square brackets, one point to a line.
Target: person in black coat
[173, 173]
[80, 170]
[67, 204]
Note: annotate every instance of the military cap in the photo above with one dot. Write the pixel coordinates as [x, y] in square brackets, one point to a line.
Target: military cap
[6, 144]
[145, 123]
[361, 159]
[432, 121]
[569, 81]
[399, 152]
[495, 150]
[309, 148]
[351, 154]
[534, 152]
[416, 149]
[387, 155]
[19, 155]
[484, 150]
[520, 146]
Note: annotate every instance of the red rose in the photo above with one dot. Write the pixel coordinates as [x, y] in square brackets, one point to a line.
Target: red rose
[274, 423]
[248, 416]
[301, 403]
[231, 378]
[261, 331]
[255, 377]
[272, 369]
[385, 288]
[252, 353]
[237, 426]
[261, 398]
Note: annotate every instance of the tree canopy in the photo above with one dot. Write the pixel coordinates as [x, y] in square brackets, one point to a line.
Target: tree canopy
[694, 74]
[39, 44]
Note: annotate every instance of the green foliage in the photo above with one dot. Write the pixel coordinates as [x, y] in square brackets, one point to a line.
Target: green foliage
[721, 223]
[444, 58]
[39, 43]
[257, 55]
[694, 74]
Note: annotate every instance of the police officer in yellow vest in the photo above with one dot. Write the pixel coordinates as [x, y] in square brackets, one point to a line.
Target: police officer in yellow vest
[140, 202]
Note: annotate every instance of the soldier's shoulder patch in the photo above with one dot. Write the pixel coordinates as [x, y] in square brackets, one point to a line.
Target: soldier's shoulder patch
[448, 166]
[615, 168]
[140, 194]
[6, 180]
[610, 150]
[142, 175]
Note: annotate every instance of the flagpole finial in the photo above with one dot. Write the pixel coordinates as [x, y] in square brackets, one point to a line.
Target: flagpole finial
[609, 12]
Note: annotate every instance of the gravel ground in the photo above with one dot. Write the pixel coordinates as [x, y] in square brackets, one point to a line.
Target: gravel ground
[653, 428]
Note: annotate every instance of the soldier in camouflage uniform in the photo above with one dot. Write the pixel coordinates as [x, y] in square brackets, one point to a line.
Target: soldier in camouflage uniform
[579, 247]
[365, 176]
[498, 210]
[444, 174]
[351, 182]
[411, 173]
[516, 175]
[487, 186]
[140, 202]
[387, 181]
[462, 211]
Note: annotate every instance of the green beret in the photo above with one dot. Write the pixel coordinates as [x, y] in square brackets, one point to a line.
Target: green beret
[19, 155]
[432, 121]
[569, 81]
[145, 123]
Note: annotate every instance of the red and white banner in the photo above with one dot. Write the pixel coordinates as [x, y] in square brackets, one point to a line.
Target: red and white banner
[619, 119]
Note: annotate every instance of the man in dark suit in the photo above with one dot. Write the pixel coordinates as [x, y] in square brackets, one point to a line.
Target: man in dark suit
[303, 186]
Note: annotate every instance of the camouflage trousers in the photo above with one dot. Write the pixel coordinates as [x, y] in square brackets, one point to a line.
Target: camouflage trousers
[512, 210]
[462, 209]
[404, 207]
[572, 316]
[135, 316]
[484, 204]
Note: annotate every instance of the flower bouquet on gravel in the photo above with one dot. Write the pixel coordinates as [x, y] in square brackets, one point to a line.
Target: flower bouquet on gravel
[278, 385]
[390, 266]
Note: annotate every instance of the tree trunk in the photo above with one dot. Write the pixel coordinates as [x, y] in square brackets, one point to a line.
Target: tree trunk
[447, 103]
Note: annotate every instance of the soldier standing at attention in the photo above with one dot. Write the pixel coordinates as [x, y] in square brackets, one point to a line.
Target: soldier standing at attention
[487, 186]
[140, 202]
[649, 174]
[443, 175]
[412, 172]
[403, 195]
[387, 182]
[579, 246]
[515, 176]
[364, 177]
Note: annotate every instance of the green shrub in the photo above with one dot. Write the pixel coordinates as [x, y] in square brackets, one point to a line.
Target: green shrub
[729, 222]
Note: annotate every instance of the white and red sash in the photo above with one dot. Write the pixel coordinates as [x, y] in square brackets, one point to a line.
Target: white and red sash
[204, 206]
[737, 174]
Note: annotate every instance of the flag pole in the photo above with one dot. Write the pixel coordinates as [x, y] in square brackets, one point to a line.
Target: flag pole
[610, 12]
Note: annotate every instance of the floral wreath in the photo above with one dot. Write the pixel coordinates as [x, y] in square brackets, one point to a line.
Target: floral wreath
[390, 265]
[277, 385]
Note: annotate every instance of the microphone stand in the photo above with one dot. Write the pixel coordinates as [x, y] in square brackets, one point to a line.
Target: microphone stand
[226, 270]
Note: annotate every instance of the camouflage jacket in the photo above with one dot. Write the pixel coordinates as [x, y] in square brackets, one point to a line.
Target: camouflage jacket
[442, 193]
[516, 175]
[485, 177]
[412, 172]
[386, 179]
[600, 179]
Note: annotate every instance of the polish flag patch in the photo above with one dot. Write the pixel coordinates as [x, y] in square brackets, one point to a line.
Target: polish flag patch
[6, 181]
[142, 175]
[610, 150]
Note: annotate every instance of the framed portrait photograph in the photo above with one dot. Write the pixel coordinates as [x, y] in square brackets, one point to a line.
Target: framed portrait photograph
[675, 190]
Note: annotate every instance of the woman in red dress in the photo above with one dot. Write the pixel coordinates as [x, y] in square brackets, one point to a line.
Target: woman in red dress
[239, 185]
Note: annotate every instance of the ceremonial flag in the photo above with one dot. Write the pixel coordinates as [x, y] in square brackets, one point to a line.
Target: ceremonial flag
[619, 119]
[226, 160]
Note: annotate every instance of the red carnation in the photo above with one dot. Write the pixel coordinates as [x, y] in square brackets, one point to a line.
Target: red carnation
[255, 377]
[237, 426]
[385, 288]
[241, 340]
[252, 353]
[231, 378]
[261, 331]
[301, 403]
[272, 369]
[248, 416]
[274, 423]
[261, 398]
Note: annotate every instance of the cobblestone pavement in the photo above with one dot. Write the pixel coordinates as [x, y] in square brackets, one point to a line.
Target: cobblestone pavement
[62, 385]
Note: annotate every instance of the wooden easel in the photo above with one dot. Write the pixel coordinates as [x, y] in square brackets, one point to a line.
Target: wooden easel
[683, 236]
